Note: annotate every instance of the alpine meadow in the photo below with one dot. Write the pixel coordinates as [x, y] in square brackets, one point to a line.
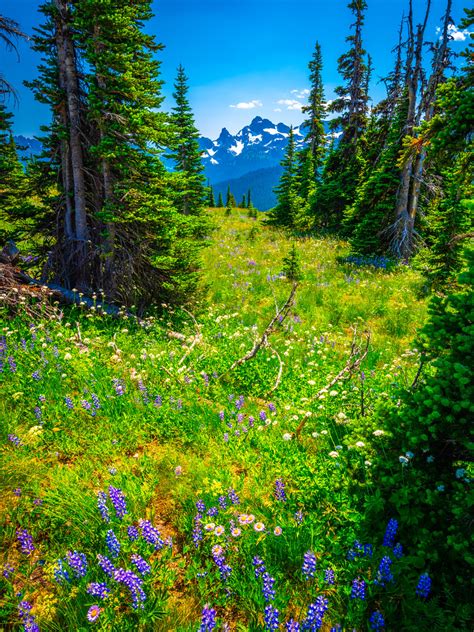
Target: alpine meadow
[236, 375]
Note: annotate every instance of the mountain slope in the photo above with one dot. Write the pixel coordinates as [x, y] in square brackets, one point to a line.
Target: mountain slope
[261, 183]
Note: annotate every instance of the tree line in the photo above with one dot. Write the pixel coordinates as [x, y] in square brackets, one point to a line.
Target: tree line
[396, 175]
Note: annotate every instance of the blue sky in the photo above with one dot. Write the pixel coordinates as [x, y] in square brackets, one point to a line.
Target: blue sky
[244, 58]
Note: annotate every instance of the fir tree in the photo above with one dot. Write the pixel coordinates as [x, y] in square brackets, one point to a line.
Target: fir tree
[345, 162]
[220, 201]
[243, 203]
[211, 200]
[230, 199]
[249, 199]
[289, 204]
[316, 111]
[185, 151]
[292, 265]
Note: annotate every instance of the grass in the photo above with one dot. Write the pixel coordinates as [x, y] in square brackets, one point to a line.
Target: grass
[155, 412]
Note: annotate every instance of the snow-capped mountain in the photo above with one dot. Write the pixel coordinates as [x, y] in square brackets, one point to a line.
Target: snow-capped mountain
[259, 145]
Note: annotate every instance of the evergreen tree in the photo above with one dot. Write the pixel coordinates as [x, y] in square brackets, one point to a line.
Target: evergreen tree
[345, 161]
[292, 264]
[10, 31]
[220, 201]
[243, 203]
[289, 204]
[116, 227]
[230, 199]
[15, 204]
[211, 201]
[316, 111]
[185, 151]
[249, 199]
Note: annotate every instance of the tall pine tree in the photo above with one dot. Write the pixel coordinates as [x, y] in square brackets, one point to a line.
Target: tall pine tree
[185, 151]
[316, 111]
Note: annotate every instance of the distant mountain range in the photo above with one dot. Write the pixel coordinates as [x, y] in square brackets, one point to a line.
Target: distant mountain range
[247, 160]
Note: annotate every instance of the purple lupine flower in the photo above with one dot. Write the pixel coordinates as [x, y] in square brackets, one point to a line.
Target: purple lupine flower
[384, 574]
[25, 541]
[377, 621]
[61, 574]
[280, 493]
[424, 586]
[12, 364]
[38, 502]
[251, 421]
[239, 402]
[17, 492]
[271, 407]
[309, 565]
[102, 505]
[329, 576]
[28, 620]
[316, 610]
[398, 551]
[69, 403]
[267, 588]
[224, 569]
[259, 566]
[197, 531]
[221, 415]
[200, 506]
[292, 626]
[36, 375]
[112, 543]
[78, 562]
[390, 532]
[106, 565]
[132, 533]
[208, 619]
[118, 386]
[226, 437]
[117, 499]
[95, 401]
[7, 570]
[15, 440]
[358, 589]
[262, 415]
[150, 534]
[299, 517]
[222, 500]
[233, 497]
[359, 550]
[212, 512]
[98, 589]
[86, 404]
[158, 401]
[134, 584]
[38, 413]
[142, 567]
[271, 618]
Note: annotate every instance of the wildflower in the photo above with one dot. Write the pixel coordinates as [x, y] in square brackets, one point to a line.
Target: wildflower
[93, 613]
[95, 401]
[78, 563]
[250, 518]
[98, 589]
[197, 531]
[271, 618]
[298, 517]
[208, 619]
[236, 532]
[142, 567]
[61, 574]
[403, 460]
[178, 470]
[219, 530]
[377, 621]
[259, 566]
[309, 565]
[69, 403]
[209, 527]
[334, 454]
[424, 586]
[384, 574]
[409, 455]
[398, 551]
[358, 589]
[25, 541]
[280, 490]
[15, 440]
[329, 576]
[17, 492]
[134, 584]
[112, 543]
[440, 488]
[287, 436]
[360, 444]
[217, 550]
[222, 500]
[226, 437]
[267, 588]
[390, 532]
[132, 533]
[28, 620]
[262, 415]
[106, 565]
[259, 526]
[277, 531]
[233, 497]
[316, 611]
[224, 569]
[292, 626]
[117, 498]
[7, 570]
[150, 534]
[378, 433]
[221, 415]
[212, 512]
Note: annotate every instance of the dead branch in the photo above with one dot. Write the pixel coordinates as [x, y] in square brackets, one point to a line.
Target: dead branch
[356, 357]
[279, 317]
[280, 371]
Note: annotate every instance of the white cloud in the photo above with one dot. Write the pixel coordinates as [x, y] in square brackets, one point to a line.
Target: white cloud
[247, 105]
[300, 94]
[277, 110]
[455, 34]
[291, 104]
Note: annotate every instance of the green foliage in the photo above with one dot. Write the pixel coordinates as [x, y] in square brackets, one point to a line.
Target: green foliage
[292, 264]
[220, 201]
[316, 111]
[425, 475]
